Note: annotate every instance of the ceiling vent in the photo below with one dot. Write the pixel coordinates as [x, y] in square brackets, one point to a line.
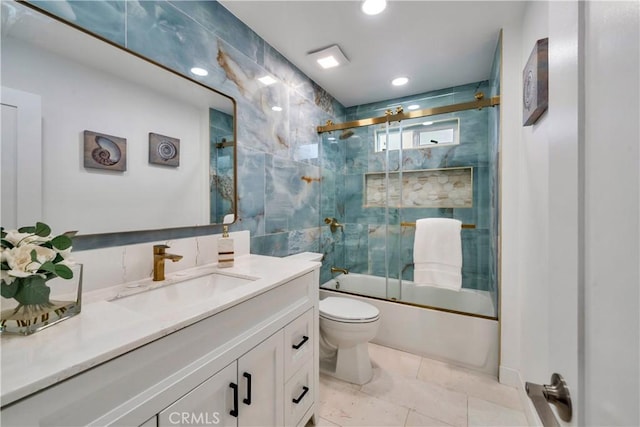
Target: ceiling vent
[329, 57]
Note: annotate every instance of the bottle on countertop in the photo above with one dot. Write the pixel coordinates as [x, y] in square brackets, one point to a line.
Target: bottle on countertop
[225, 245]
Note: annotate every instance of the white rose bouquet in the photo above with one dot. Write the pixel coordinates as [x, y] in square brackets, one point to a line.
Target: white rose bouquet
[29, 257]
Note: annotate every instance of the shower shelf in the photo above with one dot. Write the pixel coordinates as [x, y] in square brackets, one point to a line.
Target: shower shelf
[424, 188]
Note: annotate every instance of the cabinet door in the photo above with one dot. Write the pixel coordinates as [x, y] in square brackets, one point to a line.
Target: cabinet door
[208, 404]
[260, 374]
[151, 422]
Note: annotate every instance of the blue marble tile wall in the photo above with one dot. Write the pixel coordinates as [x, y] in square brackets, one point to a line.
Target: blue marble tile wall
[221, 194]
[367, 245]
[278, 168]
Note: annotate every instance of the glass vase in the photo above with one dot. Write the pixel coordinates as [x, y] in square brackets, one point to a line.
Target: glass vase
[60, 302]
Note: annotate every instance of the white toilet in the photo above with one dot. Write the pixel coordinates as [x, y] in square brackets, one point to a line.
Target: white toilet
[346, 327]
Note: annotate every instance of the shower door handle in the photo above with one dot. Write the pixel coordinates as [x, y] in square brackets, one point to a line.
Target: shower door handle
[556, 393]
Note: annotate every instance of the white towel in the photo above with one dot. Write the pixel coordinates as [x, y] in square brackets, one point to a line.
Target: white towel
[437, 253]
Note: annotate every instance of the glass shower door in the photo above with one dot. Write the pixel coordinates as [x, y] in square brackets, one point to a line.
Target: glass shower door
[451, 177]
[359, 191]
[378, 180]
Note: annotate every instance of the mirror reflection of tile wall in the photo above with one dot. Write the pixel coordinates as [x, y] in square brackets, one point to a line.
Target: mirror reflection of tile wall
[181, 34]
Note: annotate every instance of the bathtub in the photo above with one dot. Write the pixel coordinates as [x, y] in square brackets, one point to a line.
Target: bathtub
[466, 301]
[433, 322]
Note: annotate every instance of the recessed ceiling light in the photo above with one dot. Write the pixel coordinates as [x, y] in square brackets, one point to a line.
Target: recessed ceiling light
[399, 81]
[199, 71]
[276, 108]
[328, 62]
[267, 80]
[329, 57]
[373, 7]
[413, 107]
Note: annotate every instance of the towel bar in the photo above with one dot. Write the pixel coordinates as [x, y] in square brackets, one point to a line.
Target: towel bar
[413, 224]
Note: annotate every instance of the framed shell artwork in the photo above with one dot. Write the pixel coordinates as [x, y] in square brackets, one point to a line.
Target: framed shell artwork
[102, 151]
[164, 150]
[535, 83]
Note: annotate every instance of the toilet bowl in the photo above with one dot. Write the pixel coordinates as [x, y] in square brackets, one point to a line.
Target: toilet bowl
[346, 327]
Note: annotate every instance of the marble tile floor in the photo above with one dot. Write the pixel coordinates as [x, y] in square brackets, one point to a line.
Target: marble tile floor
[409, 390]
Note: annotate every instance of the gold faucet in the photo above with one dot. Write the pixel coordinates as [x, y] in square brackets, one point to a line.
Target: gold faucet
[339, 270]
[159, 255]
[333, 224]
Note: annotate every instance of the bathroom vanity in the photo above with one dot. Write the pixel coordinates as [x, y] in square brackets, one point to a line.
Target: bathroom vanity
[233, 347]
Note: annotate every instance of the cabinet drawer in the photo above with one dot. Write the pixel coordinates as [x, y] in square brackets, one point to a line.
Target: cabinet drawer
[299, 337]
[298, 394]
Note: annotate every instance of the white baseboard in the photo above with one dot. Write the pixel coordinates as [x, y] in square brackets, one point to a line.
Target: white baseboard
[511, 377]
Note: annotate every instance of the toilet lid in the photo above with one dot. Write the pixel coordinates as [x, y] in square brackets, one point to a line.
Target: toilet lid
[347, 309]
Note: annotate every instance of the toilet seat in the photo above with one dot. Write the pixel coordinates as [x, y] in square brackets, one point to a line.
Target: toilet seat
[348, 310]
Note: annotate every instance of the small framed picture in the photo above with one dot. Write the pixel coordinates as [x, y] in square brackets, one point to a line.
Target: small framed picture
[535, 83]
[164, 150]
[102, 151]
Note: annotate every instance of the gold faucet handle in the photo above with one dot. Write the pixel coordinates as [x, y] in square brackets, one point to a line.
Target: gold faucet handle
[159, 249]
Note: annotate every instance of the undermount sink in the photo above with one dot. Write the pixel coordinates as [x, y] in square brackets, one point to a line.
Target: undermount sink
[160, 298]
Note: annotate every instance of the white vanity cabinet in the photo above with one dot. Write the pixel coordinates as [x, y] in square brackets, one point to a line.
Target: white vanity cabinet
[260, 387]
[208, 403]
[271, 385]
[262, 350]
[300, 388]
[248, 392]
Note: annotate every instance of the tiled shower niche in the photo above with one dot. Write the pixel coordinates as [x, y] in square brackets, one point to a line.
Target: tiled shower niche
[428, 188]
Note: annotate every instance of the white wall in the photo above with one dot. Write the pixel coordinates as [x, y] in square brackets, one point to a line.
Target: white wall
[510, 124]
[540, 207]
[539, 188]
[612, 205]
[571, 210]
[21, 139]
[77, 98]
[533, 212]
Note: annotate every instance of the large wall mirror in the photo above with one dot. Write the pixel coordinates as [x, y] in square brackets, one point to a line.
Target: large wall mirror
[100, 140]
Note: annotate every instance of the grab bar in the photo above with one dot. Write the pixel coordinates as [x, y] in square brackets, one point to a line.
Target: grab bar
[413, 224]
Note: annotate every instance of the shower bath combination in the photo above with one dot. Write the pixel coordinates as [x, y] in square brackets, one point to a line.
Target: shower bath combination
[408, 168]
[411, 327]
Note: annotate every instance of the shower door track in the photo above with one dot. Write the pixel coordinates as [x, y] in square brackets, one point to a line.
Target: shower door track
[400, 115]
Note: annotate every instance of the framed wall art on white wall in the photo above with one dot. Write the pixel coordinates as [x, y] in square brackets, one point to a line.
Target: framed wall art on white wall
[535, 83]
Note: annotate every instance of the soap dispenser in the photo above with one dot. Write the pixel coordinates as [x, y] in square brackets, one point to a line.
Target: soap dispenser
[225, 244]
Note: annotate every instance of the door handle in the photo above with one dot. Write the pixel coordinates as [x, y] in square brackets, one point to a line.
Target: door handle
[556, 393]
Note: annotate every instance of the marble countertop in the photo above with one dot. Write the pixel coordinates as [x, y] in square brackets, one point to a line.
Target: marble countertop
[104, 329]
